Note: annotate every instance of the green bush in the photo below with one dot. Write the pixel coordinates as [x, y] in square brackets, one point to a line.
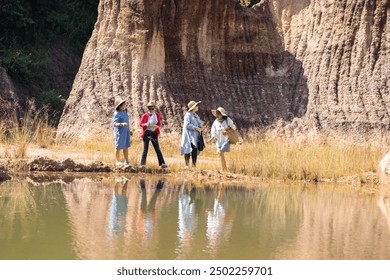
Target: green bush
[28, 25]
[19, 63]
[54, 103]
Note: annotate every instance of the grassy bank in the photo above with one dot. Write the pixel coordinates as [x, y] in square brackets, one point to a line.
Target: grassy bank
[271, 159]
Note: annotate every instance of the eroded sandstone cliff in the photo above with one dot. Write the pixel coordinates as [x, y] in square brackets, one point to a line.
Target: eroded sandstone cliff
[344, 50]
[322, 61]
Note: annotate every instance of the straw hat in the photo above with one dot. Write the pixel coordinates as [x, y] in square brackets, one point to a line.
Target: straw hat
[151, 104]
[192, 104]
[118, 103]
[219, 109]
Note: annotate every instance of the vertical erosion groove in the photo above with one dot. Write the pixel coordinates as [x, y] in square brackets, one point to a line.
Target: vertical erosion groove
[280, 59]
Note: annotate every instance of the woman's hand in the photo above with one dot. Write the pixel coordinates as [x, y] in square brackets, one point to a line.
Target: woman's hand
[198, 129]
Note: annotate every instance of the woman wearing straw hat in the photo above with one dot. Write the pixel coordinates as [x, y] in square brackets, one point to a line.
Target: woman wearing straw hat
[220, 125]
[150, 124]
[191, 129]
[121, 132]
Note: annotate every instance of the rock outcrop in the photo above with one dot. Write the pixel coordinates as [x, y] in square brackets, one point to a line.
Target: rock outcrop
[325, 62]
[47, 164]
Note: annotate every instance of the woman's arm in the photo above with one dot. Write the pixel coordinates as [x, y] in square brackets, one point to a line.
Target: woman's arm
[214, 130]
[116, 121]
[187, 122]
[231, 124]
[144, 120]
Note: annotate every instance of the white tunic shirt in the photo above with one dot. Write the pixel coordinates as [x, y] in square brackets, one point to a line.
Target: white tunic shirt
[217, 130]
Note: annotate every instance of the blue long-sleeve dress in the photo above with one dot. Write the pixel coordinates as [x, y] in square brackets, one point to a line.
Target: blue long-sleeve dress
[121, 133]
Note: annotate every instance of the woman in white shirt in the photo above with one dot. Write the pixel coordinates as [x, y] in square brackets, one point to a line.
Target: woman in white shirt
[218, 129]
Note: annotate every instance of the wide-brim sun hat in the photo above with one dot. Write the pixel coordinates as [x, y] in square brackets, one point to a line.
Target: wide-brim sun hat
[219, 109]
[118, 103]
[192, 104]
[151, 104]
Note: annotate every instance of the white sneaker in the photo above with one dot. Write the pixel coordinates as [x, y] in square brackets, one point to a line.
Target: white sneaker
[185, 167]
[127, 164]
[118, 163]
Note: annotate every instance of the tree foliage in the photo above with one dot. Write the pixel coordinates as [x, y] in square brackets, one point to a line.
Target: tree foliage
[27, 30]
[249, 3]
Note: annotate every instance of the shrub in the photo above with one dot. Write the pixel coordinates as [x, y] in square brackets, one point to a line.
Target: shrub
[53, 102]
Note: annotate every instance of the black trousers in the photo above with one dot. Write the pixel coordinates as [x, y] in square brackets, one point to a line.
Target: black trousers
[151, 136]
[193, 154]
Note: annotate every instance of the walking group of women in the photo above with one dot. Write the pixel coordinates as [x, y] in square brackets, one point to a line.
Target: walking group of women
[192, 138]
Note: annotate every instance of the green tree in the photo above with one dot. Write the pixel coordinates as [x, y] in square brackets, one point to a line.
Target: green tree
[249, 3]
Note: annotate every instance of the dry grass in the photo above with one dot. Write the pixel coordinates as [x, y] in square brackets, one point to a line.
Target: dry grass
[17, 134]
[268, 159]
[304, 161]
[258, 157]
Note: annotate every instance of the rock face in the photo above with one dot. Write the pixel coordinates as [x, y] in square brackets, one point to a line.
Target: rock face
[322, 61]
[8, 96]
[344, 50]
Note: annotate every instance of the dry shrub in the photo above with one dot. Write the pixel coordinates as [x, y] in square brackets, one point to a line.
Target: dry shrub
[34, 127]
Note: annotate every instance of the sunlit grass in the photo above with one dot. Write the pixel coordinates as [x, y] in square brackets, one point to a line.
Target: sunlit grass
[258, 157]
[304, 161]
[16, 134]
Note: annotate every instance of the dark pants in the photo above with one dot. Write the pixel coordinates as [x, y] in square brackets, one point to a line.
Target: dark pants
[151, 136]
[193, 154]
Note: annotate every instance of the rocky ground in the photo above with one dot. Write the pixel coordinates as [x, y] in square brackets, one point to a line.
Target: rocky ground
[44, 169]
[48, 168]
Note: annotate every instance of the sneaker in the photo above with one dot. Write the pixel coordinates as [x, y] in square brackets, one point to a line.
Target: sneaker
[118, 163]
[163, 165]
[127, 164]
[185, 167]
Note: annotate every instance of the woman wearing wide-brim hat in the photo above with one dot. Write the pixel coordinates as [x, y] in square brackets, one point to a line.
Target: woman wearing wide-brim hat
[150, 124]
[192, 127]
[221, 124]
[121, 132]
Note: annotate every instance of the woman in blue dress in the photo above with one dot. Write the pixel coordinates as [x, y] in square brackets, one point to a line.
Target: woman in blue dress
[191, 130]
[121, 132]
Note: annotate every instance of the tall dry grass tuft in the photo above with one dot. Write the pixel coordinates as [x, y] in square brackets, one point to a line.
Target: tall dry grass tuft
[18, 133]
[45, 133]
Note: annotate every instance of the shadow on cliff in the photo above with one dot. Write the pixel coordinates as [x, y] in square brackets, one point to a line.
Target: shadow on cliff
[236, 60]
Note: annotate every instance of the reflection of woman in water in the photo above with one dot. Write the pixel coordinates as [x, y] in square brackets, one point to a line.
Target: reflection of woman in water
[219, 222]
[118, 209]
[188, 220]
[146, 218]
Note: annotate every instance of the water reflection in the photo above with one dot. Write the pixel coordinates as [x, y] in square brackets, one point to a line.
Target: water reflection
[151, 218]
[187, 219]
[118, 209]
[147, 220]
[33, 222]
[219, 222]
[338, 224]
